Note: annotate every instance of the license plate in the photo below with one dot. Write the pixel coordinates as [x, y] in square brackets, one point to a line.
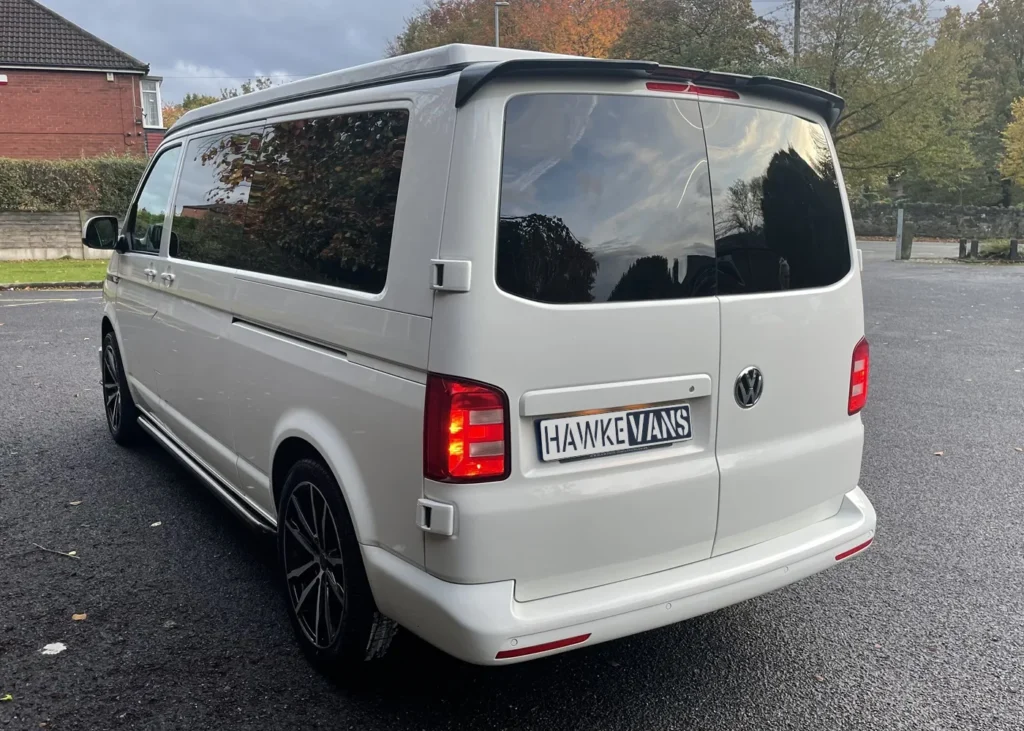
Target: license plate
[614, 431]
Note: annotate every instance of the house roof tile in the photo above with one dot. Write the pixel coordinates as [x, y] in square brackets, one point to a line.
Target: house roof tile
[33, 35]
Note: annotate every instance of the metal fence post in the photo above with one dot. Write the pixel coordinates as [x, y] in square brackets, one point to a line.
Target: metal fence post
[963, 248]
[974, 248]
[1014, 255]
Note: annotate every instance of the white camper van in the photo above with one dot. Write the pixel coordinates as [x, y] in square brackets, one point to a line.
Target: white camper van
[521, 352]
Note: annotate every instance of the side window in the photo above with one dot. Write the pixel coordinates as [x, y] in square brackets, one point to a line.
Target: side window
[323, 197]
[213, 194]
[146, 218]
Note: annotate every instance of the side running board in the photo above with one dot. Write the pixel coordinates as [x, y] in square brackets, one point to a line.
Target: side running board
[221, 491]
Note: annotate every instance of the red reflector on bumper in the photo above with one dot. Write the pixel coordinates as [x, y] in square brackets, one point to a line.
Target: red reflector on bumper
[861, 547]
[534, 649]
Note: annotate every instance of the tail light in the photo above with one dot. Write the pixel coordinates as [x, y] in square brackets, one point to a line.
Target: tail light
[465, 432]
[859, 370]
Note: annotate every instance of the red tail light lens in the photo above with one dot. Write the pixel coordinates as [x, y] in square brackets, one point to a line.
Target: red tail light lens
[859, 371]
[692, 89]
[466, 431]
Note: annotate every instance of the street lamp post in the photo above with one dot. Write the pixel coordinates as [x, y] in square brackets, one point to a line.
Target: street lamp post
[498, 5]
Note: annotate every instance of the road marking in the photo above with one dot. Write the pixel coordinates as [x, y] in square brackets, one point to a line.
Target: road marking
[24, 303]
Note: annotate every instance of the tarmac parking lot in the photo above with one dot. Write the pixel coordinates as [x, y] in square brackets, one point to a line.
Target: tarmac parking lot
[185, 628]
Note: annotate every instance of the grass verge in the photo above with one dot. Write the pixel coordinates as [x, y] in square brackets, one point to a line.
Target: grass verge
[52, 271]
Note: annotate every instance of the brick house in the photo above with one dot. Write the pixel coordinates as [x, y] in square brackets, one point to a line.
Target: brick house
[65, 93]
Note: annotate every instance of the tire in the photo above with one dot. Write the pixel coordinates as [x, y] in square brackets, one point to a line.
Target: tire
[321, 570]
[118, 405]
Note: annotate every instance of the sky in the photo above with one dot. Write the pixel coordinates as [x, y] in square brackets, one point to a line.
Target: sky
[204, 45]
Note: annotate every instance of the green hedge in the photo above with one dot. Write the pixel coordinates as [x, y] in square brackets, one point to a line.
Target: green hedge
[101, 184]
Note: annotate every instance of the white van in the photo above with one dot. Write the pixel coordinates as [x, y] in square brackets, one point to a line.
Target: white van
[521, 352]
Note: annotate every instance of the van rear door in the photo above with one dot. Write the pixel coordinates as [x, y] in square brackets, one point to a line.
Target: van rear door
[595, 313]
[791, 308]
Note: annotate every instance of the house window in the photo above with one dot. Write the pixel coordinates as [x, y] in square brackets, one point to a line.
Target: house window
[152, 116]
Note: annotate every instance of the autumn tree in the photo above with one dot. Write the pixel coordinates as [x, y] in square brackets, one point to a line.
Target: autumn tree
[578, 27]
[1012, 165]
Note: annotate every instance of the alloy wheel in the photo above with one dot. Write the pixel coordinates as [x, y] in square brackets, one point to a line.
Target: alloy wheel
[313, 565]
[111, 388]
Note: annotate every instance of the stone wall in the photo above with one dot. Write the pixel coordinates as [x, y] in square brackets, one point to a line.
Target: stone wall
[939, 220]
[25, 235]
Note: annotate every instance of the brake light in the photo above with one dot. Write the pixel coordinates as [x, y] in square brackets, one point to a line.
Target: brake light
[465, 431]
[692, 89]
[859, 371]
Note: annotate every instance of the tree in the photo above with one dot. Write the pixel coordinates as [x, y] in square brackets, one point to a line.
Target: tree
[996, 79]
[173, 112]
[248, 87]
[1012, 165]
[903, 77]
[578, 27]
[725, 35]
[541, 259]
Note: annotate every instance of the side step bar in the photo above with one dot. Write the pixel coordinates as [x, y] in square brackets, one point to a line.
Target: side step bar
[253, 519]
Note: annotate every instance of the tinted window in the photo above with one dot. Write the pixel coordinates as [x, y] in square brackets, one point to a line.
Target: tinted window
[322, 202]
[779, 221]
[604, 198]
[210, 205]
[146, 220]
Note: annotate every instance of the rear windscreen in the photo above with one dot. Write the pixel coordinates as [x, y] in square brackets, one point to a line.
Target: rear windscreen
[610, 199]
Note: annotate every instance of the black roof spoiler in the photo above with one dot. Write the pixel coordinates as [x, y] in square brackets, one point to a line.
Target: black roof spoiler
[473, 77]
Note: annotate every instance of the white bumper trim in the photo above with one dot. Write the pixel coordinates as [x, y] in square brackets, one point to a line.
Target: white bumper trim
[476, 621]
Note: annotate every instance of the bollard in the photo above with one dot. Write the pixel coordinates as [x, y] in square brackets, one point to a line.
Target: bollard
[1014, 255]
[907, 241]
[974, 248]
[963, 248]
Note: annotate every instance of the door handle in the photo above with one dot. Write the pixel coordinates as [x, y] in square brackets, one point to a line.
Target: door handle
[150, 273]
[168, 277]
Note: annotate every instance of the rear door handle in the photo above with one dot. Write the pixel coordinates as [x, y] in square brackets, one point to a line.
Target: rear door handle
[168, 277]
[150, 273]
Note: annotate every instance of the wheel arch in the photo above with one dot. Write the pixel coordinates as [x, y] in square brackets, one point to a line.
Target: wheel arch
[304, 434]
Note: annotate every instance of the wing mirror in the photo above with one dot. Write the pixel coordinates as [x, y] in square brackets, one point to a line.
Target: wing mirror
[100, 232]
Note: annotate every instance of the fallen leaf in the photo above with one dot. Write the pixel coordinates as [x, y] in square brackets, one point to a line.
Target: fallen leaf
[155, 525]
[75, 502]
[72, 553]
[7, 697]
[79, 617]
[939, 454]
[54, 648]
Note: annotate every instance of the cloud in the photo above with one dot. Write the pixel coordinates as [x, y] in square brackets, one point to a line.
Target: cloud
[203, 45]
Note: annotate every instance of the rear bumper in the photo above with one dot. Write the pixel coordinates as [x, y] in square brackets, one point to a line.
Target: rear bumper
[475, 622]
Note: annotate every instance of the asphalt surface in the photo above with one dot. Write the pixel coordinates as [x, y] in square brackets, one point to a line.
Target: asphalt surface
[186, 629]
